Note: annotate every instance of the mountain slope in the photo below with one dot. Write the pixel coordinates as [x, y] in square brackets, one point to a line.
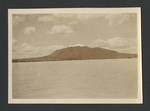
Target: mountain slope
[79, 53]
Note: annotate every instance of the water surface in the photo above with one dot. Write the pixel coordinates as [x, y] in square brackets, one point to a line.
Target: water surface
[109, 78]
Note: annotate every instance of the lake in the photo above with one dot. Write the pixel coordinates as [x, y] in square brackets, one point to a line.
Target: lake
[109, 78]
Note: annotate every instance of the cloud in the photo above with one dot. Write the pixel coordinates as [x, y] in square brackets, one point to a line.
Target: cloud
[99, 42]
[48, 49]
[74, 45]
[26, 47]
[46, 18]
[132, 49]
[26, 50]
[123, 19]
[60, 29]
[65, 16]
[17, 47]
[86, 16]
[117, 18]
[118, 43]
[21, 50]
[29, 30]
[18, 19]
[73, 23]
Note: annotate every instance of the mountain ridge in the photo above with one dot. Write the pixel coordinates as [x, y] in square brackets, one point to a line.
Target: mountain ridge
[79, 53]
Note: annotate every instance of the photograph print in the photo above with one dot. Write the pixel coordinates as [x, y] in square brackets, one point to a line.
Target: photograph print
[75, 55]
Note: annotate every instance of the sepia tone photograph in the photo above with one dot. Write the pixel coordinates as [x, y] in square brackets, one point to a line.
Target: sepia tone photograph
[75, 55]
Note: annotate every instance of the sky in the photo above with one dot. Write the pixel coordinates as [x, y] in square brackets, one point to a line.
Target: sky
[35, 35]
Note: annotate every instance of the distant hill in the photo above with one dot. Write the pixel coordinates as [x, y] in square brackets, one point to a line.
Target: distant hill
[79, 53]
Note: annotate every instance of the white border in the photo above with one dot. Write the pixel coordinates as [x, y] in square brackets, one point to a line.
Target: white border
[136, 10]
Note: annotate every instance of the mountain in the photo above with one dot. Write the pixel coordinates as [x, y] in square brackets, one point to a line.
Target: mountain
[79, 53]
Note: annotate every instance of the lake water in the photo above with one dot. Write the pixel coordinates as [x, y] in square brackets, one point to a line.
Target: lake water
[110, 78]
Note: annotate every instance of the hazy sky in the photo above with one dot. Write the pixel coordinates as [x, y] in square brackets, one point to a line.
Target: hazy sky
[40, 34]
